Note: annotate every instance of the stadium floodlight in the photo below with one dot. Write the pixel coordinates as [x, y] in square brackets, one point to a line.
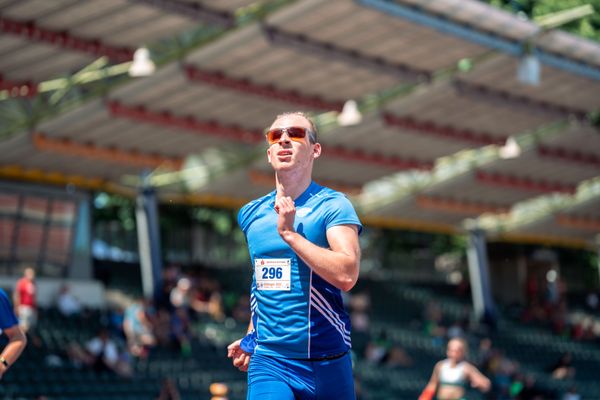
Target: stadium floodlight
[511, 149]
[142, 63]
[350, 114]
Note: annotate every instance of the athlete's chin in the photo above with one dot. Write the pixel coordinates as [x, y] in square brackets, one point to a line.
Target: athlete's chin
[284, 166]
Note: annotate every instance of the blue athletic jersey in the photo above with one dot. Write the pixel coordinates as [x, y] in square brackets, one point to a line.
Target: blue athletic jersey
[296, 313]
[7, 315]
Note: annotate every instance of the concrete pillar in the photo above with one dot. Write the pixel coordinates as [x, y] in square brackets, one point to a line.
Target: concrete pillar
[148, 239]
[81, 259]
[483, 302]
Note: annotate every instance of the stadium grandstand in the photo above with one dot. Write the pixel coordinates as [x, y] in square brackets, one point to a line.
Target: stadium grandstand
[466, 135]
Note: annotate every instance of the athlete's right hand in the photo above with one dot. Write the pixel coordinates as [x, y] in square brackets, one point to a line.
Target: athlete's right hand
[240, 358]
[286, 209]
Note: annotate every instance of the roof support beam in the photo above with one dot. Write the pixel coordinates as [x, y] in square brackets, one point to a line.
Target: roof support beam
[494, 95]
[32, 32]
[572, 221]
[522, 183]
[380, 160]
[196, 11]
[221, 80]
[52, 177]
[268, 179]
[87, 150]
[353, 57]
[166, 119]
[457, 206]
[572, 156]
[448, 132]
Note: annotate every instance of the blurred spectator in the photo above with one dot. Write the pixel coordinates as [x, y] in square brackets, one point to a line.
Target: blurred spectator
[101, 354]
[181, 331]
[530, 390]
[116, 317]
[382, 351]
[571, 394]
[397, 357]
[138, 330]
[433, 323]
[485, 354]
[207, 299]
[180, 294]
[377, 349]
[358, 389]
[162, 327]
[563, 368]
[534, 313]
[531, 289]
[241, 311]
[455, 330]
[592, 301]
[168, 390]
[170, 276]
[67, 303]
[517, 385]
[559, 318]
[25, 300]
[360, 304]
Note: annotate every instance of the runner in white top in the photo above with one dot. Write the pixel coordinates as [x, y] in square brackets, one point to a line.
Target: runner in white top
[451, 376]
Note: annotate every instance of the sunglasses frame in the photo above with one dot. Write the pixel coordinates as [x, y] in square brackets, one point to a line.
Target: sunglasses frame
[295, 138]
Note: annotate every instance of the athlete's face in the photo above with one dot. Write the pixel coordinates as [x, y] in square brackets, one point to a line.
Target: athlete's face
[456, 350]
[285, 153]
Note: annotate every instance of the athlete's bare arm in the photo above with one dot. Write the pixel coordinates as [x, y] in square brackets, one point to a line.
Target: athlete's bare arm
[477, 379]
[431, 387]
[338, 265]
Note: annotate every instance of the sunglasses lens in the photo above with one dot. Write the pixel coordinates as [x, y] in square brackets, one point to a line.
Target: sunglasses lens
[296, 133]
[274, 135]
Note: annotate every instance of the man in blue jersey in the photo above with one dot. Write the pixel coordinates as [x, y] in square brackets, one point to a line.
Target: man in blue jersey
[16, 338]
[304, 248]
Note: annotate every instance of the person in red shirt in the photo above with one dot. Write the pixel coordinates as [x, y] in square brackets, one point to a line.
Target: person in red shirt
[25, 300]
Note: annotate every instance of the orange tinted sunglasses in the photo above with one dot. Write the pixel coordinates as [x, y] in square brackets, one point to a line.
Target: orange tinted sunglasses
[295, 133]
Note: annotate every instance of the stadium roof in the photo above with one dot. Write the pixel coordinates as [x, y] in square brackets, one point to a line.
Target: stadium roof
[449, 132]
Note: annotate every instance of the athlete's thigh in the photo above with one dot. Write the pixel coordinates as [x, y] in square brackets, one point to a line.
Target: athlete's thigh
[267, 379]
[334, 379]
[269, 390]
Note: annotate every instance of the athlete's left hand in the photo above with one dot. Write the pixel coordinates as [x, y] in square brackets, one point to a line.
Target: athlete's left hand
[239, 357]
[286, 210]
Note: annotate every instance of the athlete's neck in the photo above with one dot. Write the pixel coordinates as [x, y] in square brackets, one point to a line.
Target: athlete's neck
[291, 185]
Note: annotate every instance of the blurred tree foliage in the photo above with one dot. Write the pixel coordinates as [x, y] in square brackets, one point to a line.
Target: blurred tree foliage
[588, 27]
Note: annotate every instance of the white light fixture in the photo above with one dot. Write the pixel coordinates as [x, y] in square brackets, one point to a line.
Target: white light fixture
[528, 71]
[142, 63]
[350, 114]
[511, 149]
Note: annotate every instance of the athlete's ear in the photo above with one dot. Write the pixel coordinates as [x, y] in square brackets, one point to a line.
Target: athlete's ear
[316, 150]
[269, 154]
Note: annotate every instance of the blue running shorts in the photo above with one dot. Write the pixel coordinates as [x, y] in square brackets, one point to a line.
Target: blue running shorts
[271, 378]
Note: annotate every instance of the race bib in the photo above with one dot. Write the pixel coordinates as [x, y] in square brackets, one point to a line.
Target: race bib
[272, 273]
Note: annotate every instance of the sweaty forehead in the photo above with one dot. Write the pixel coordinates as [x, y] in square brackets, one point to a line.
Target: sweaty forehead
[290, 120]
